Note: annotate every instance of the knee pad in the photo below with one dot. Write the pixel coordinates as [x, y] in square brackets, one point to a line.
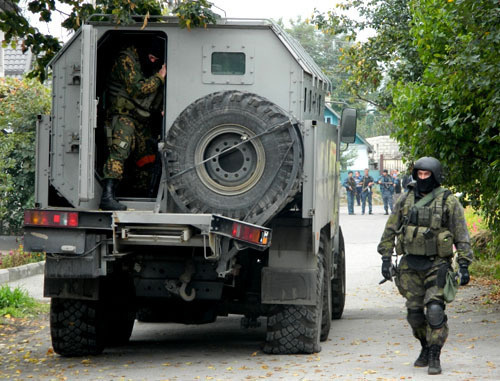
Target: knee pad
[416, 317]
[435, 315]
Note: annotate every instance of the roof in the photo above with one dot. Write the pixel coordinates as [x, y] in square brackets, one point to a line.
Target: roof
[332, 111]
[15, 62]
[295, 48]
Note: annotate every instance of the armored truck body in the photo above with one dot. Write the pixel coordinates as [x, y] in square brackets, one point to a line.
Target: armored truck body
[243, 215]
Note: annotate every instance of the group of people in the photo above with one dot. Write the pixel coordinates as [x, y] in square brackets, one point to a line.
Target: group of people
[359, 188]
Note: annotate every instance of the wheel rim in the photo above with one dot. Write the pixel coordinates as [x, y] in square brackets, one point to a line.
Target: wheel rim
[236, 171]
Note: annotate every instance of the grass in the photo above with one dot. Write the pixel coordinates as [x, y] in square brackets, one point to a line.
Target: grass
[17, 303]
[486, 262]
[19, 257]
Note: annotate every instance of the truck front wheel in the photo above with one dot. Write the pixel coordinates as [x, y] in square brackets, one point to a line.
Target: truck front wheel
[77, 327]
[297, 329]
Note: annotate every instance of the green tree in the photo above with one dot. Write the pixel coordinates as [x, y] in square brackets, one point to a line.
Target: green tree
[20, 103]
[17, 28]
[383, 59]
[324, 48]
[452, 111]
[434, 66]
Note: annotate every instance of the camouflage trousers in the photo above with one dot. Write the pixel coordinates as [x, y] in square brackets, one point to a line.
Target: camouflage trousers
[419, 288]
[131, 140]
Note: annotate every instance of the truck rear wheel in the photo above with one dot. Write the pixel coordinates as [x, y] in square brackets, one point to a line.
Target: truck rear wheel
[296, 329]
[338, 283]
[252, 181]
[76, 327]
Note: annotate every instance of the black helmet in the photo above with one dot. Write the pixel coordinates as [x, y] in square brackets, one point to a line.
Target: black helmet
[431, 164]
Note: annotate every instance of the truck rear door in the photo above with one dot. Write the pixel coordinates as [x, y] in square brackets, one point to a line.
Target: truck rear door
[74, 118]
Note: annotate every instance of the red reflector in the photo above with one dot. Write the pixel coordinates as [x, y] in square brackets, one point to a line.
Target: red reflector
[50, 218]
[73, 219]
[248, 233]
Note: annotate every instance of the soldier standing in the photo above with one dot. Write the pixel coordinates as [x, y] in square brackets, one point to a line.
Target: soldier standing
[428, 220]
[359, 187]
[350, 186]
[366, 191]
[132, 97]
[387, 190]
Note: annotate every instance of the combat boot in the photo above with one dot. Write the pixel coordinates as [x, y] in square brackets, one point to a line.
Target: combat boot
[434, 363]
[108, 201]
[423, 358]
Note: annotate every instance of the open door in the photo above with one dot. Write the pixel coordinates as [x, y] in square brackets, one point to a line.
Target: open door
[88, 114]
[74, 119]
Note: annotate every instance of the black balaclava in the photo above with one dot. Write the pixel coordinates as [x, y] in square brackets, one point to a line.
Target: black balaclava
[426, 185]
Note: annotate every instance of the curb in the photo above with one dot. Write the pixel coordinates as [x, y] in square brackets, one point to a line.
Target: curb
[20, 272]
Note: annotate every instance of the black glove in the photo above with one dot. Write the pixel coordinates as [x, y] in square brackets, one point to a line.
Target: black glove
[463, 271]
[386, 268]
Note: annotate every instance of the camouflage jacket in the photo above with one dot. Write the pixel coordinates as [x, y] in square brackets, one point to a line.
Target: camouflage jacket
[456, 225]
[127, 74]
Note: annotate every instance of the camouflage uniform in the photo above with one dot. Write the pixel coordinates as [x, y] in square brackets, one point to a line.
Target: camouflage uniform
[130, 132]
[420, 278]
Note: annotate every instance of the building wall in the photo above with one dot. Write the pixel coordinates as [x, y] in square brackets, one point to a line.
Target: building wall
[389, 148]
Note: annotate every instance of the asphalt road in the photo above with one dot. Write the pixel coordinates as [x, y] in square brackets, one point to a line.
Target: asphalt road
[372, 341]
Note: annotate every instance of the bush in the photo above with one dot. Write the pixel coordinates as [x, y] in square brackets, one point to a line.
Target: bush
[19, 257]
[486, 258]
[20, 103]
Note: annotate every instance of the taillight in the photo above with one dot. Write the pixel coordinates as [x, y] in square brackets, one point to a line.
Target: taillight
[50, 218]
[250, 233]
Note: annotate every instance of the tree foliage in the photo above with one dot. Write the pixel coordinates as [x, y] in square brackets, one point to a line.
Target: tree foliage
[20, 103]
[384, 58]
[434, 66]
[17, 28]
[325, 48]
[452, 112]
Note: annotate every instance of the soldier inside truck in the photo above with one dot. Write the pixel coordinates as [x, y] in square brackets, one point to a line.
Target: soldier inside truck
[130, 84]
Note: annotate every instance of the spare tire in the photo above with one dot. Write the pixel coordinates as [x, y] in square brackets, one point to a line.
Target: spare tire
[236, 154]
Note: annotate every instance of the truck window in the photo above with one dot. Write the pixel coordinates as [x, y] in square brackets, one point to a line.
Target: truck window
[228, 63]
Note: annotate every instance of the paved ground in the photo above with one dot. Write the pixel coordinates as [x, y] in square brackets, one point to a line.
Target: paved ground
[372, 341]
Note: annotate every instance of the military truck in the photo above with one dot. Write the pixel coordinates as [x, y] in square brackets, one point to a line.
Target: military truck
[244, 218]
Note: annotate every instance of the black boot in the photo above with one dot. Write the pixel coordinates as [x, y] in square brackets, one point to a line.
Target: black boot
[434, 363]
[423, 358]
[108, 201]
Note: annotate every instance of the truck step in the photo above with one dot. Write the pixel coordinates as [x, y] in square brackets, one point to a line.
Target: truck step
[157, 234]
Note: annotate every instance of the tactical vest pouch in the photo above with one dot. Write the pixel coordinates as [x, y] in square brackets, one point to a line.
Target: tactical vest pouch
[108, 130]
[124, 105]
[445, 244]
[414, 241]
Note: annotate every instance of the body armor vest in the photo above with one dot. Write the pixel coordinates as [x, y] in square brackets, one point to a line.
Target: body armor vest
[424, 231]
[124, 104]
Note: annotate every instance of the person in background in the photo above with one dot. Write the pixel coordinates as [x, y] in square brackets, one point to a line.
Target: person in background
[350, 186]
[366, 191]
[397, 182]
[357, 179]
[387, 190]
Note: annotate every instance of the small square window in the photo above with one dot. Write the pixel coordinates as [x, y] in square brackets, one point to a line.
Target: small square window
[228, 63]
